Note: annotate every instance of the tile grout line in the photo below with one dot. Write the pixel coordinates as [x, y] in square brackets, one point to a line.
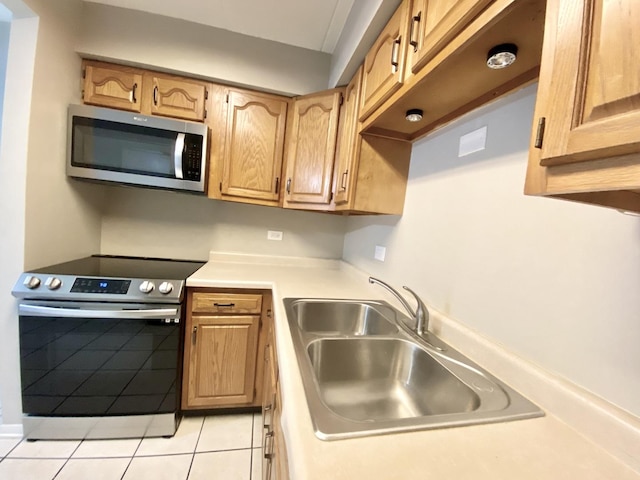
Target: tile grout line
[67, 460]
[131, 459]
[195, 448]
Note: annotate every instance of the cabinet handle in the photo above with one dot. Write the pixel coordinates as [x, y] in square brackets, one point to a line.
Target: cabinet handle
[395, 51]
[343, 183]
[277, 185]
[289, 186]
[224, 305]
[194, 334]
[415, 22]
[155, 95]
[133, 93]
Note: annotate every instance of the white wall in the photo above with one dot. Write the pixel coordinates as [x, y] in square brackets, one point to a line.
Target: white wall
[176, 45]
[5, 30]
[554, 281]
[169, 224]
[13, 174]
[63, 217]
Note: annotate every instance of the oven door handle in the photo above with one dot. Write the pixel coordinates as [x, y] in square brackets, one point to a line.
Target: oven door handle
[151, 313]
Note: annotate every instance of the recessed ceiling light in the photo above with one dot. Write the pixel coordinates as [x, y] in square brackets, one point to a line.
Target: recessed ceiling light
[502, 56]
[414, 115]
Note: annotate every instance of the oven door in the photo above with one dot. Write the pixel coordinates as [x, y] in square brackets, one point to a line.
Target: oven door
[99, 359]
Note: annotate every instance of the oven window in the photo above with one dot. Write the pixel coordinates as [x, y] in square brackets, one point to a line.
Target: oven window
[90, 367]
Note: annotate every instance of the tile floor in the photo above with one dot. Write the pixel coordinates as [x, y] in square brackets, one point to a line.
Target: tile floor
[219, 447]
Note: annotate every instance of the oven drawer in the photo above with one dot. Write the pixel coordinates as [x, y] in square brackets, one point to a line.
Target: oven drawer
[230, 303]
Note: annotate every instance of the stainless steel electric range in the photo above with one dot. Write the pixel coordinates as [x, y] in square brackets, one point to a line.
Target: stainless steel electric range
[101, 346]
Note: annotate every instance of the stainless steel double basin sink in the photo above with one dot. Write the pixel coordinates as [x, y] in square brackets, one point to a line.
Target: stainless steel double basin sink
[365, 373]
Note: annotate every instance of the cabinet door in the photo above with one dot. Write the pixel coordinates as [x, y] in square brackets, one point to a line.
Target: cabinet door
[254, 144]
[311, 147]
[347, 154]
[222, 360]
[591, 94]
[384, 64]
[440, 21]
[112, 86]
[178, 98]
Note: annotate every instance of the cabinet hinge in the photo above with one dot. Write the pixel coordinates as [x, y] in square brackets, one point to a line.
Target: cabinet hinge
[84, 73]
[341, 99]
[227, 98]
[220, 186]
[206, 94]
[540, 132]
[205, 113]
[330, 196]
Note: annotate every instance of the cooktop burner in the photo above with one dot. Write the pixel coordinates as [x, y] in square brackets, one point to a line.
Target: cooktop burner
[109, 278]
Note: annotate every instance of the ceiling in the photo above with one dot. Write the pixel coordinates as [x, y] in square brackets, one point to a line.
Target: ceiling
[312, 24]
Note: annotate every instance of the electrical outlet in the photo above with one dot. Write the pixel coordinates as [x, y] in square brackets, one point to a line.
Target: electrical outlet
[274, 235]
[380, 253]
[472, 142]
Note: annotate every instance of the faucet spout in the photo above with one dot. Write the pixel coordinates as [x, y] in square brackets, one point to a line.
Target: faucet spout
[420, 315]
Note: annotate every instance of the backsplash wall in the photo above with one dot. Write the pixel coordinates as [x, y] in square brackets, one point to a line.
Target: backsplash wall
[168, 224]
[556, 282]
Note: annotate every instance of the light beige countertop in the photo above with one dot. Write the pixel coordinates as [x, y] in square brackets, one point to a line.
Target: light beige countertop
[543, 448]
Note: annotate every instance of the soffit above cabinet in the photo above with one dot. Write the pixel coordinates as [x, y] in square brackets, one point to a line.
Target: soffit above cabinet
[315, 25]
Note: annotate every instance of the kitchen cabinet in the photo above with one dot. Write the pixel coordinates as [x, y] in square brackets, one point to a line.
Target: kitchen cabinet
[455, 79]
[246, 161]
[434, 23]
[143, 91]
[586, 140]
[224, 338]
[371, 172]
[113, 86]
[274, 451]
[385, 62]
[311, 138]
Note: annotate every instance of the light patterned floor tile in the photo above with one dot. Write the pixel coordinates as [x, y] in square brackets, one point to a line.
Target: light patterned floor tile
[107, 448]
[229, 465]
[44, 449]
[184, 441]
[167, 467]
[31, 469]
[6, 444]
[94, 469]
[226, 432]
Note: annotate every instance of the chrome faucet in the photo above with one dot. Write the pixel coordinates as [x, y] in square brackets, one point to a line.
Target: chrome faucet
[421, 313]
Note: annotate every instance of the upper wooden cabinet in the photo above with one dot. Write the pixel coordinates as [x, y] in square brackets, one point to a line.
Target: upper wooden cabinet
[253, 146]
[247, 147]
[113, 86]
[178, 98]
[137, 90]
[434, 23]
[311, 147]
[384, 64]
[371, 172]
[586, 140]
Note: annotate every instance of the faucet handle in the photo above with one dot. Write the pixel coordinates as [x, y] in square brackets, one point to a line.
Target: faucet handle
[422, 312]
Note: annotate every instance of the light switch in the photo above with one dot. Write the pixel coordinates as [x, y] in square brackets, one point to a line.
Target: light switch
[473, 142]
[274, 235]
[380, 253]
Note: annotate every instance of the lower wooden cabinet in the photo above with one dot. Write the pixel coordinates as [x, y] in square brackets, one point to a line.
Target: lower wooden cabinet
[274, 451]
[224, 347]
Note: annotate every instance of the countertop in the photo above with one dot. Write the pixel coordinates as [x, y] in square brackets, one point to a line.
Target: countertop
[539, 448]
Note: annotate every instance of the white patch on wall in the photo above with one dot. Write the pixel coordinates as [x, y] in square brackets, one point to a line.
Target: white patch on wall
[380, 253]
[473, 142]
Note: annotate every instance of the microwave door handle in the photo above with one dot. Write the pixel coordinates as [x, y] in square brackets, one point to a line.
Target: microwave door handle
[177, 155]
[42, 311]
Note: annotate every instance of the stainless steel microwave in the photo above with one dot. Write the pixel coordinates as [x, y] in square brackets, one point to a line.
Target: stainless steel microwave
[132, 149]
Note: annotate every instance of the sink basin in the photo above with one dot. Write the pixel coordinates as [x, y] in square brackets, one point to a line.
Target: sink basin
[372, 380]
[363, 375]
[342, 318]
